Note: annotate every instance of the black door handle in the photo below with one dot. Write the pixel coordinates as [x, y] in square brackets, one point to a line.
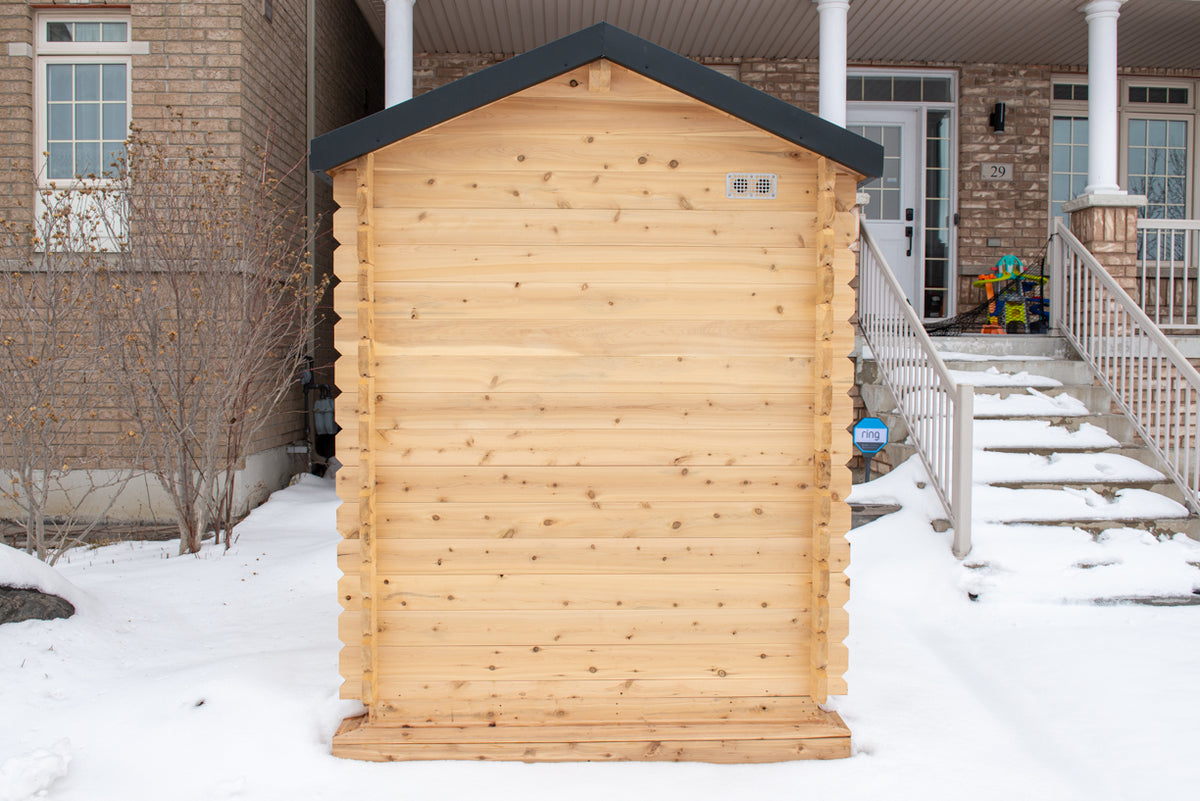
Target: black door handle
[908, 232]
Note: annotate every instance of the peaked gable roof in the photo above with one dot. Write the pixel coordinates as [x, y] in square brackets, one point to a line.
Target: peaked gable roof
[562, 55]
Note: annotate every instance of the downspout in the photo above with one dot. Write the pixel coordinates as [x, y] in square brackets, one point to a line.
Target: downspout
[310, 183]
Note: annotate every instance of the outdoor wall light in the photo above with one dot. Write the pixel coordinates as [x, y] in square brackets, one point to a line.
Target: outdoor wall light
[996, 118]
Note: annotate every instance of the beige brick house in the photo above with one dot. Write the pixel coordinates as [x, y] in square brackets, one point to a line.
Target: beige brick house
[74, 76]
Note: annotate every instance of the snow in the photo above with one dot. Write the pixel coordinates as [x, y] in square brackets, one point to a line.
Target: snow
[1038, 434]
[19, 570]
[215, 677]
[1028, 405]
[992, 377]
[997, 467]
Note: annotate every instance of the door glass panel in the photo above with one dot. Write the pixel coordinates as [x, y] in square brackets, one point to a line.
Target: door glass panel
[937, 214]
[884, 191]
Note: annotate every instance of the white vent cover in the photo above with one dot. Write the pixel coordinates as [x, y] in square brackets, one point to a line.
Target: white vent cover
[750, 185]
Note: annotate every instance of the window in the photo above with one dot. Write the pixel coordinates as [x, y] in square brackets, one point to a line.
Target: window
[82, 91]
[1156, 138]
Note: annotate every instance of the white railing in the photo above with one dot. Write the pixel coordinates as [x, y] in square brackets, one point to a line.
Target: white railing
[1152, 382]
[1167, 283]
[936, 409]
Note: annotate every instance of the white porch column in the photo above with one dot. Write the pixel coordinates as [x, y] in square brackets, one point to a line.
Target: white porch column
[398, 51]
[833, 59]
[1103, 122]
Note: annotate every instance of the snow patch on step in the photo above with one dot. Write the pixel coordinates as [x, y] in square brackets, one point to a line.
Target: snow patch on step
[994, 467]
[956, 356]
[1038, 434]
[1000, 504]
[1023, 563]
[992, 377]
[1032, 404]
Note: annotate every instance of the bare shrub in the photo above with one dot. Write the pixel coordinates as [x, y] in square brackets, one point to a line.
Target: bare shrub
[207, 307]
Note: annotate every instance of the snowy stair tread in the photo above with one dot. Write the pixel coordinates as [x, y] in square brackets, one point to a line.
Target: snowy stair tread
[1002, 467]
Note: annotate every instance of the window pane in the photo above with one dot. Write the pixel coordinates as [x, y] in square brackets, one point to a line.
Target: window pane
[1177, 133]
[114, 32]
[1156, 133]
[114, 153]
[907, 89]
[1137, 161]
[854, 89]
[1177, 162]
[1061, 130]
[937, 90]
[1137, 133]
[114, 82]
[87, 120]
[59, 121]
[877, 88]
[59, 163]
[1062, 91]
[58, 81]
[87, 31]
[1177, 96]
[87, 82]
[58, 32]
[87, 158]
[891, 206]
[114, 121]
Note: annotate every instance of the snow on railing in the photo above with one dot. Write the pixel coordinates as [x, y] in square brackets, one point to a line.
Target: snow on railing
[1168, 284]
[1152, 382]
[936, 409]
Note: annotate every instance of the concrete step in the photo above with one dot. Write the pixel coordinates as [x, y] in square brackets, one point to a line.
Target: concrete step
[1060, 371]
[1169, 526]
[1054, 347]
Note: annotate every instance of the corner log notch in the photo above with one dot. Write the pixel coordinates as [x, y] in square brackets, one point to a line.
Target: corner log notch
[367, 531]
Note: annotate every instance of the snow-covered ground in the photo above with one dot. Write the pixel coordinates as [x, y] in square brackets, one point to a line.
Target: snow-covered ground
[216, 677]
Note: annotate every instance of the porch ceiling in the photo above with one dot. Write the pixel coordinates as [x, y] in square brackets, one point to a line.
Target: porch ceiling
[1153, 33]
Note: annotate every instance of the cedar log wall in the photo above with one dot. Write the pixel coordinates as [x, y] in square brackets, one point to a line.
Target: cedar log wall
[595, 462]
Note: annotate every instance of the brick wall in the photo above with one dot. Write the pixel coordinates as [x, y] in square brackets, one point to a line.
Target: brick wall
[1014, 212]
[16, 124]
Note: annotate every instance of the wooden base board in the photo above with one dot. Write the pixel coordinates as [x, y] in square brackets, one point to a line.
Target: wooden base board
[823, 737]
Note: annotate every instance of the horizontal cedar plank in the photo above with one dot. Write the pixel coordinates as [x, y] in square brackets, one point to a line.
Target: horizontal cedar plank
[597, 447]
[568, 374]
[605, 263]
[596, 591]
[623, 83]
[610, 113]
[701, 518]
[576, 662]
[392, 689]
[733, 752]
[403, 336]
[585, 627]
[668, 555]
[663, 154]
[423, 411]
[574, 189]
[444, 301]
[516, 711]
[568, 555]
[597, 484]
[580, 228]
[813, 725]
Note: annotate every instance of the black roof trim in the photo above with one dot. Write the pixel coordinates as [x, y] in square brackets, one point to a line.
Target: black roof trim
[562, 55]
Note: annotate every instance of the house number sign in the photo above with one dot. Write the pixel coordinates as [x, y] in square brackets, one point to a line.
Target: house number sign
[995, 171]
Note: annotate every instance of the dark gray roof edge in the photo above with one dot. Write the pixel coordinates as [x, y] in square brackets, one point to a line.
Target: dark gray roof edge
[601, 40]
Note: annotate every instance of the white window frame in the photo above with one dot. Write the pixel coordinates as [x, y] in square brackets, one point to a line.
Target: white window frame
[1159, 111]
[1129, 110]
[1061, 108]
[47, 52]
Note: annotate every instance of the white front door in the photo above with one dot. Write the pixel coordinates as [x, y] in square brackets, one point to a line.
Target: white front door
[894, 212]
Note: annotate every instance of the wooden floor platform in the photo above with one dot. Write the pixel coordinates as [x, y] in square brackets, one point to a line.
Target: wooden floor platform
[824, 736]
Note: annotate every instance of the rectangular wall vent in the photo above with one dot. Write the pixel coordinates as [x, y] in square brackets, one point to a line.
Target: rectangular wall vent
[750, 185]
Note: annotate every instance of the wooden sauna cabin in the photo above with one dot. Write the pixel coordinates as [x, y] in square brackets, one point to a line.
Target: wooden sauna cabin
[595, 307]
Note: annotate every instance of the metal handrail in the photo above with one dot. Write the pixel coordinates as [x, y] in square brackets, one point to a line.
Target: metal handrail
[1170, 293]
[936, 409]
[1153, 383]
